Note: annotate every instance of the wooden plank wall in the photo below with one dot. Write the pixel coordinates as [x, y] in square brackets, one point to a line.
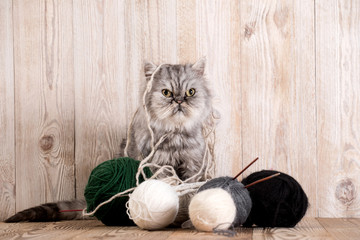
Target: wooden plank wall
[44, 101]
[285, 76]
[338, 107]
[7, 129]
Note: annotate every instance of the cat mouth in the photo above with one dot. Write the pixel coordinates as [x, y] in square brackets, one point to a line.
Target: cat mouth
[179, 109]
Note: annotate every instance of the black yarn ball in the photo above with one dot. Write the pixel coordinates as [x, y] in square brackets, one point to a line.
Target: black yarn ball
[277, 202]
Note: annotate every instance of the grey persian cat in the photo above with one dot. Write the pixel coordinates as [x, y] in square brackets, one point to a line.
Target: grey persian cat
[178, 104]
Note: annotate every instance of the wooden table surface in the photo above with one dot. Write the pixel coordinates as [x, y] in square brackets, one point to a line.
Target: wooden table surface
[308, 228]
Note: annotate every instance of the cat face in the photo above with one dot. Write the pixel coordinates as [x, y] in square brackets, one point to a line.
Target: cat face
[179, 95]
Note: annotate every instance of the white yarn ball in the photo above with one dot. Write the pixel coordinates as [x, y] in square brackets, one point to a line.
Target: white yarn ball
[153, 205]
[212, 208]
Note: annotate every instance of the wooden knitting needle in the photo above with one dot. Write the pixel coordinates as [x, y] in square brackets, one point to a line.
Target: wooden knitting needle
[262, 180]
[245, 168]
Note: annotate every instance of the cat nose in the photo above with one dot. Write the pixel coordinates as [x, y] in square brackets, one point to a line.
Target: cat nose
[179, 100]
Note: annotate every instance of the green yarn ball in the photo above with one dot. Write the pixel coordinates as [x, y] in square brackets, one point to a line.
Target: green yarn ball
[108, 179]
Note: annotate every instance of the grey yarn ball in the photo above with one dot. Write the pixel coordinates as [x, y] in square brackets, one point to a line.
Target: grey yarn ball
[239, 194]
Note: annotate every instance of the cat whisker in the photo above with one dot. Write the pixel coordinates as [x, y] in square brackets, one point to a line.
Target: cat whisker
[164, 112]
[189, 111]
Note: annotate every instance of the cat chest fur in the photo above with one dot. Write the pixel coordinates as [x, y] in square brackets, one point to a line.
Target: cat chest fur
[183, 151]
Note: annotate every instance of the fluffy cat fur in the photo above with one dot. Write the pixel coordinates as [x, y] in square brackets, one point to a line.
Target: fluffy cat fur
[179, 116]
[178, 104]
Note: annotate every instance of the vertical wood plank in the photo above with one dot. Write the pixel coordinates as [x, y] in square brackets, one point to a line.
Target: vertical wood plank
[235, 129]
[217, 37]
[44, 102]
[338, 107]
[112, 40]
[159, 31]
[186, 31]
[278, 89]
[100, 84]
[7, 135]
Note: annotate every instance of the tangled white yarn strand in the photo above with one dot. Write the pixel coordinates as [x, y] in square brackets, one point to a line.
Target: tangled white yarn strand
[208, 155]
[120, 194]
[148, 89]
[181, 189]
[186, 188]
[166, 170]
[131, 216]
[208, 158]
[128, 135]
[196, 176]
[189, 185]
[147, 159]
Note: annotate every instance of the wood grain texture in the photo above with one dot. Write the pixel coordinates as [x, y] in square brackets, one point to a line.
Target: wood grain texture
[7, 134]
[217, 38]
[87, 229]
[285, 77]
[278, 89]
[124, 233]
[44, 102]
[108, 87]
[338, 107]
[100, 84]
[159, 31]
[342, 228]
[308, 228]
[241, 233]
[186, 31]
[53, 230]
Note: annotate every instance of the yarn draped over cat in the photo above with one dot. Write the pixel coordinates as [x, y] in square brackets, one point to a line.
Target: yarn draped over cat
[167, 173]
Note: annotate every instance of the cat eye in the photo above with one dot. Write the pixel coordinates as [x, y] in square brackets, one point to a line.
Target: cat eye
[167, 93]
[190, 92]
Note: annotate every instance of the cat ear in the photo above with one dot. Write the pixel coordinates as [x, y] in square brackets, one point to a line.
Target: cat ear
[149, 68]
[199, 66]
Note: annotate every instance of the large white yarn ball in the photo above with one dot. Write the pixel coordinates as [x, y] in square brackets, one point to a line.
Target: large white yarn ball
[153, 205]
[212, 208]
